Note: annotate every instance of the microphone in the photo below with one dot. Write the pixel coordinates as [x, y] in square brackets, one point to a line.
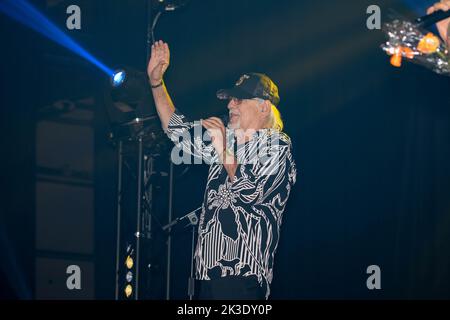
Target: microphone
[204, 131]
[429, 19]
[193, 219]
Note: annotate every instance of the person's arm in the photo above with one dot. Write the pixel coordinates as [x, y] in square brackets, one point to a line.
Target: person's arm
[444, 25]
[174, 123]
[157, 66]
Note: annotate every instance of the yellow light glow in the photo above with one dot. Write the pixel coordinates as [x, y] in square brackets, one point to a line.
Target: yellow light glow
[128, 290]
[129, 262]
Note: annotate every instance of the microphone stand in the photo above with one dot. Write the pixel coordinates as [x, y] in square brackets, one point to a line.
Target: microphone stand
[193, 221]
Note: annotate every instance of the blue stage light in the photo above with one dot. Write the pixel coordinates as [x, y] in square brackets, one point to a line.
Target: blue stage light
[118, 78]
[25, 13]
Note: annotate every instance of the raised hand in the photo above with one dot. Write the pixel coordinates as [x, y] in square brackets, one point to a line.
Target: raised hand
[159, 62]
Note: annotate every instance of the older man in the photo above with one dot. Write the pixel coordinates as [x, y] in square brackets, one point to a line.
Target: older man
[250, 178]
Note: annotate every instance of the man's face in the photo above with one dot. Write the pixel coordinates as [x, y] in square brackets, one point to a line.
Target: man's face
[244, 114]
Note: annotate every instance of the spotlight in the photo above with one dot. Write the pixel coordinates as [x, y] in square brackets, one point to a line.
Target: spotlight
[129, 276]
[129, 262]
[118, 78]
[128, 97]
[128, 290]
[130, 86]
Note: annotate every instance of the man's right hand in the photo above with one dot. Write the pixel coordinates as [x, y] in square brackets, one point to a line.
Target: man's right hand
[443, 25]
[159, 62]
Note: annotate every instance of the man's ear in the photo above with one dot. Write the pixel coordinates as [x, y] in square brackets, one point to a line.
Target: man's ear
[265, 107]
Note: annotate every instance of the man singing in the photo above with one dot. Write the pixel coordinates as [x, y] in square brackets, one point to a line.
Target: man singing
[250, 178]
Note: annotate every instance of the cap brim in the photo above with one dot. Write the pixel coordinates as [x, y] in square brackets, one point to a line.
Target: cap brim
[233, 93]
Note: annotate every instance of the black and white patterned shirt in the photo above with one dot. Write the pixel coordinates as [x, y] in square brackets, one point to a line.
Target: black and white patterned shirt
[240, 221]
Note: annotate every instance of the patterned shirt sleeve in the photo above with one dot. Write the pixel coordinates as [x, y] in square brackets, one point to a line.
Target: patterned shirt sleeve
[188, 138]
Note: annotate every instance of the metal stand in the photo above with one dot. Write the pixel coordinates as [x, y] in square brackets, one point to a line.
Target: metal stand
[193, 221]
[191, 283]
[138, 233]
[142, 228]
[169, 239]
[142, 221]
[144, 216]
[119, 218]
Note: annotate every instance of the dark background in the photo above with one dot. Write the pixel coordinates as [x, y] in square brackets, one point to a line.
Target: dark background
[372, 142]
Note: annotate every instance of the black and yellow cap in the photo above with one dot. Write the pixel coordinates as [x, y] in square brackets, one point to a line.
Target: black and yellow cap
[252, 85]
